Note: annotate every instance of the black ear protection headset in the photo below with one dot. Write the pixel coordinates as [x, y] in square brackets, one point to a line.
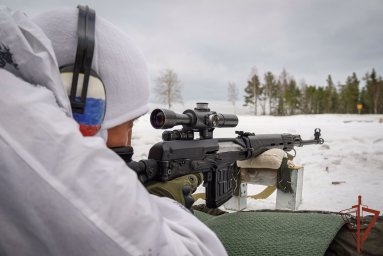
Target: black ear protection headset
[82, 68]
[79, 79]
[84, 57]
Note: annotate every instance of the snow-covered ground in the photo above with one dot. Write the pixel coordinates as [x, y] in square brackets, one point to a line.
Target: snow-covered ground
[352, 154]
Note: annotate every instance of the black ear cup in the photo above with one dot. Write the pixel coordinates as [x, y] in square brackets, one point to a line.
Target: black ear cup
[85, 89]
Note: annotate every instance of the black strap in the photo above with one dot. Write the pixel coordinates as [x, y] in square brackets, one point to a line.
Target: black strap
[84, 55]
[284, 177]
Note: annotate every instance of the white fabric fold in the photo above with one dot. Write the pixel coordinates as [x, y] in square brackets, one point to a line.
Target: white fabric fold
[33, 54]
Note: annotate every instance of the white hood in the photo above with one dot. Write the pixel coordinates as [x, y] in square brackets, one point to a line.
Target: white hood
[28, 54]
[116, 60]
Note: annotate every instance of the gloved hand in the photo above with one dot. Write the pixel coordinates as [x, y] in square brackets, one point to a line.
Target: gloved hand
[273, 159]
[179, 189]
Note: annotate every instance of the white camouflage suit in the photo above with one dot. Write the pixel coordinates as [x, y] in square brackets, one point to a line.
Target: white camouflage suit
[65, 194]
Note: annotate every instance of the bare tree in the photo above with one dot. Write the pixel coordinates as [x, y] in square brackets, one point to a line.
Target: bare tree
[168, 88]
[232, 94]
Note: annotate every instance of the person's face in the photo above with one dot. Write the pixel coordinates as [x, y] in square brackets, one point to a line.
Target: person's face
[120, 135]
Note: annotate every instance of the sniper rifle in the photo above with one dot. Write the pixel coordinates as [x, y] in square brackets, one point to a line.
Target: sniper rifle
[181, 154]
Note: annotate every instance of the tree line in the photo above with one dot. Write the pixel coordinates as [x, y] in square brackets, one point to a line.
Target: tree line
[281, 95]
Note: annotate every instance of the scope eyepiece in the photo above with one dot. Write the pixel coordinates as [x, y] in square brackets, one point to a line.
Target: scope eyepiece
[222, 120]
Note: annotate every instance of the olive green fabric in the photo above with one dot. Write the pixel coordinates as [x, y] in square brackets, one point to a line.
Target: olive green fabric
[274, 233]
[174, 189]
[344, 243]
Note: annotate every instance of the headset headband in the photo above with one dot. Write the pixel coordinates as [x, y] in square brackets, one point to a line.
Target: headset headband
[84, 56]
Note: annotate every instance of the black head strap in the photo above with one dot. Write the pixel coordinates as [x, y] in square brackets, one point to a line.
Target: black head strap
[84, 56]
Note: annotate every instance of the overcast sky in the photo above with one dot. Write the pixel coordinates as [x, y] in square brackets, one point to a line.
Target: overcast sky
[211, 43]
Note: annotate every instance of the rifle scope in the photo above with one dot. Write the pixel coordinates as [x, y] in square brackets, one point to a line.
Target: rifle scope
[198, 119]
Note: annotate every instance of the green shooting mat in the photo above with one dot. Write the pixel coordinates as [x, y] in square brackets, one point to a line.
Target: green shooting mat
[274, 232]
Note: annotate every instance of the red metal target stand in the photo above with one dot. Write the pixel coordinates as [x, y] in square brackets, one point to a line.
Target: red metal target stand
[358, 210]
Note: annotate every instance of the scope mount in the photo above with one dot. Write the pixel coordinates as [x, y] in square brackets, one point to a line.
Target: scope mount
[188, 134]
[178, 135]
[201, 119]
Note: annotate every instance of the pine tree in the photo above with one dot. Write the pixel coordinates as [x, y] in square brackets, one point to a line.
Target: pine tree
[270, 90]
[379, 102]
[292, 97]
[374, 92]
[252, 92]
[364, 99]
[320, 100]
[351, 94]
[332, 96]
[309, 95]
[366, 95]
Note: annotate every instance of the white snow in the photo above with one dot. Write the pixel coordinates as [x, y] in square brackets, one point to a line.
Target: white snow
[352, 153]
